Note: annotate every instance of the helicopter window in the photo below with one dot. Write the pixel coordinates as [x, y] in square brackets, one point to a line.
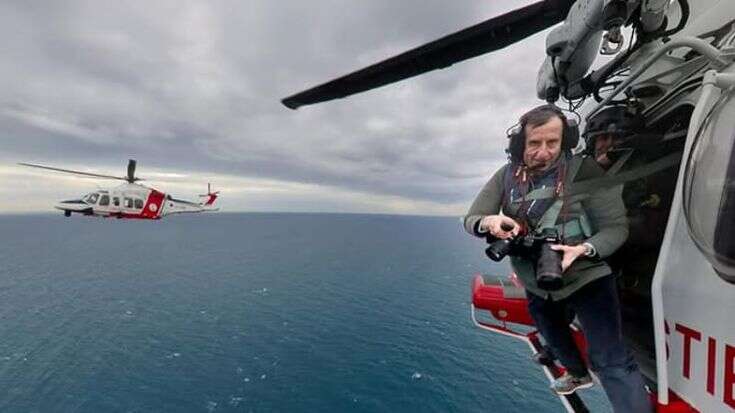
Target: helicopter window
[138, 203]
[128, 202]
[104, 200]
[91, 198]
[724, 244]
[709, 191]
[116, 201]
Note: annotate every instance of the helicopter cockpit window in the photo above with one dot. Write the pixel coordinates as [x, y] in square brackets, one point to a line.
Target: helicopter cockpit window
[104, 200]
[128, 202]
[91, 198]
[709, 189]
[138, 203]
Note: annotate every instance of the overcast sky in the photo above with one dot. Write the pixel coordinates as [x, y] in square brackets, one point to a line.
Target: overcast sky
[192, 89]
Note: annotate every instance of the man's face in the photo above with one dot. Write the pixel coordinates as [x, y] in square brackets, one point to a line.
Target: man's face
[603, 143]
[543, 144]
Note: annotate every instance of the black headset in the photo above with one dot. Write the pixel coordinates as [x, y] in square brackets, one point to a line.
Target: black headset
[517, 133]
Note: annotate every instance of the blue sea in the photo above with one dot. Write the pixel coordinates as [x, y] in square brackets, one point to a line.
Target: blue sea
[253, 313]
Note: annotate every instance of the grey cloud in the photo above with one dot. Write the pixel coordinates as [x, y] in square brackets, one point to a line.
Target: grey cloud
[195, 86]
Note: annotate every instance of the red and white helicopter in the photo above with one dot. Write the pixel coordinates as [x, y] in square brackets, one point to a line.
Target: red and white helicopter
[129, 200]
[677, 272]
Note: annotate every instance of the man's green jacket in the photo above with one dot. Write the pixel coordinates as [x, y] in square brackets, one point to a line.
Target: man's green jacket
[604, 211]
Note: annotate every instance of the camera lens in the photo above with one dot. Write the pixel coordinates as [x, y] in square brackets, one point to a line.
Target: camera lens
[498, 249]
[548, 269]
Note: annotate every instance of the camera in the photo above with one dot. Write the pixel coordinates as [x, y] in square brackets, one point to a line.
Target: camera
[536, 246]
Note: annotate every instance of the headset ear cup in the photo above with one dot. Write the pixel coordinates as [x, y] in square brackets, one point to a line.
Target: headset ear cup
[516, 144]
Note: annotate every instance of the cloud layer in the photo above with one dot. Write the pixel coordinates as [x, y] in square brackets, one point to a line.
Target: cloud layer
[193, 88]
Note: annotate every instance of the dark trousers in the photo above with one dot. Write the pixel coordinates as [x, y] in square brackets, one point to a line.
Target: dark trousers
[598, 309]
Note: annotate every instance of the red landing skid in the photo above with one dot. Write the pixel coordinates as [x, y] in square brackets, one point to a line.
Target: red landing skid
[505, 299]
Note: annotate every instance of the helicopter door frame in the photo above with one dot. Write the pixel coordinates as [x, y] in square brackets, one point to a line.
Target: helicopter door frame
[695, 374]
[712, 84]
[708, 96]
[115, 207]
[99, 208]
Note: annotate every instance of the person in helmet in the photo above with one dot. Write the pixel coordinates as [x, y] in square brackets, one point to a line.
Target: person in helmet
[606, 136]
[612, 133]
[607, 131]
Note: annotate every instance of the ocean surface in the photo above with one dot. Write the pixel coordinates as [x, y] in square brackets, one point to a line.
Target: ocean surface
[253, 312]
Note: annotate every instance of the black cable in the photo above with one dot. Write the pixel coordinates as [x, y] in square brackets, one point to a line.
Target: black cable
[556, 75]
[684, 5]
[633, 46]
[612, 84]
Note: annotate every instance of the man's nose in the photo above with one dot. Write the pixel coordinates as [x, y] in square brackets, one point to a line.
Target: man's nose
[544, 152]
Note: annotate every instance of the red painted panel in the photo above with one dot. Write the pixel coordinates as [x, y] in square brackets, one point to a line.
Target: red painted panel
[729, 386]
[676, 405]
[211, 199]
[514, 310]
[127, 215]
[152, 207]
[688, 334]
[491, 298]
[711, 362]
[581, 343]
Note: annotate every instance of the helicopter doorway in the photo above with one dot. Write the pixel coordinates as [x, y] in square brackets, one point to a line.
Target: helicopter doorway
[648, 202]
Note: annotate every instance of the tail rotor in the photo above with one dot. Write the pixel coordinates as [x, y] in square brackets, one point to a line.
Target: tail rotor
[211, 196]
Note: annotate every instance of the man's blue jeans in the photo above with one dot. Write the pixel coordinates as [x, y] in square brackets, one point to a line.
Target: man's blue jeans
[598, 309]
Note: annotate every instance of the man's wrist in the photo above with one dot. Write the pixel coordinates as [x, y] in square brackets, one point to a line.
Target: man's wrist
[481, 229]
[482, 226]
[589, 250]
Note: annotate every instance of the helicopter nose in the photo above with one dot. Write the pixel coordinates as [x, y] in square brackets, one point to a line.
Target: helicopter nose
[71, 204]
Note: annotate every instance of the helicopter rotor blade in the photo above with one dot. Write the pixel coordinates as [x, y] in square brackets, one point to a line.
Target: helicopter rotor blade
[73, 172]
[485, 37]
[131, 171]
[209, 190]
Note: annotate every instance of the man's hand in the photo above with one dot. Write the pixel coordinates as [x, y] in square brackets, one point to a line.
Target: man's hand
[500, 226]
[571, 253]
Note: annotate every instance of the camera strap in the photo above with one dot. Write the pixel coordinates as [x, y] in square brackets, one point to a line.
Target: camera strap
[615, 167]
[548, 219]
[580, 190]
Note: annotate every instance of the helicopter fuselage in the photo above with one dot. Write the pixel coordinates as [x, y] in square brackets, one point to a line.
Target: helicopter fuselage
[130, 201]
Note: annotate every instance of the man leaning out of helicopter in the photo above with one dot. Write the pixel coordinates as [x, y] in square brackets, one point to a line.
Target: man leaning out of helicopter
[590, 227]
